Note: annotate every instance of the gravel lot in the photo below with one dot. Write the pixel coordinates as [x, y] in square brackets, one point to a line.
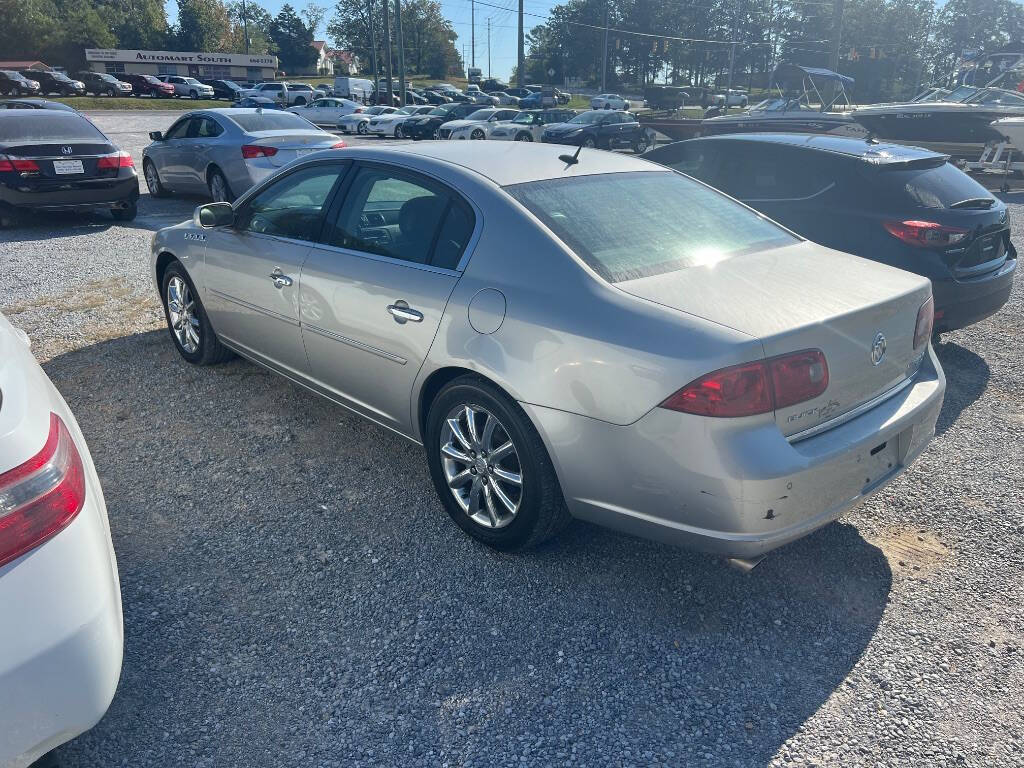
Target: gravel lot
[294, 595]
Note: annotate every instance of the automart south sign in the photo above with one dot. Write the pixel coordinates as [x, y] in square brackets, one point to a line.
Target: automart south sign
[180, 57]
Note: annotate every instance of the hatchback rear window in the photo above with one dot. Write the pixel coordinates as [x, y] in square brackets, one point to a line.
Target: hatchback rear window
[632, 225]
[271, 121]
[937, 187]
[40, 125]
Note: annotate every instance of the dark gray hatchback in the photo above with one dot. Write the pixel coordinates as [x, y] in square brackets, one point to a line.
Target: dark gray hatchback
[902, 206]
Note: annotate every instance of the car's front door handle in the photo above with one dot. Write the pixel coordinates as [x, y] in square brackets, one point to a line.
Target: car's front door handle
[403, 313]
[280, 280]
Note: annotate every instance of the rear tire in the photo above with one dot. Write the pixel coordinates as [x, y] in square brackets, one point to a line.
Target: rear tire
[361, 128]
[202, 346]
[126, 214]
[537, 510]
[589, 143]
[524, 136]
[640, 145]
[477, 135]
[399, 133]
[193, 94]
[220, 190]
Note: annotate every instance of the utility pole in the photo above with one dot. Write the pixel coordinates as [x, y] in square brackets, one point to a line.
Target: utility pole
[520, 58]
[245, 26]
[373, 49]
[472, 33]
[604, 62]
[837, 39]
[387, 57]
[488, 47]
[401, 50]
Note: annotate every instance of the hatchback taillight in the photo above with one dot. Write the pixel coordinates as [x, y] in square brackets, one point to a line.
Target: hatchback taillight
[339, 145]
[752, 388]
[925, 234]
[41, 496]
[120, 159]
[925, 321]
[250, 151]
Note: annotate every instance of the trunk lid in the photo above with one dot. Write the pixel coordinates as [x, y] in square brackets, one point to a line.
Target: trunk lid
[292, 144]
[806, 296]
[61, 161]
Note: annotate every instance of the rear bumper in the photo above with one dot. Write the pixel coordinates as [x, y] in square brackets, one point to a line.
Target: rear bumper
[745, 489]
[964, 302]
[74, 195]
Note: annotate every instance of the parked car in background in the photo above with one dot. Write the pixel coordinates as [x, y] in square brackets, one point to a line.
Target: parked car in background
[54, 82]
[601, 128]
[353, 88]
[54, 160]
[223, 152]
[225, 89]
[188, 87]
[391, 125]
[326, 111]
[483, 99]
[519, 93]
[147, 85]
[902, 206]
[505, 99]
[16, 84]
[33, 103]
[609, 101]
[301, 93]
[731, 98]
[288, 94]
[426, 126]
[357, 122]
[697, 359]
[477, 125]
[435, 97]
[326, 89]
[103, 84]
[257, 102]
[529, 126]
[546, 96]
[62, 637]
[493, 84]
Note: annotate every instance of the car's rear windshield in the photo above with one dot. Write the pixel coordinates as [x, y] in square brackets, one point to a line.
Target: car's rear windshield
[42, 125]
[939, 186]
[632, 225]
[271, 121]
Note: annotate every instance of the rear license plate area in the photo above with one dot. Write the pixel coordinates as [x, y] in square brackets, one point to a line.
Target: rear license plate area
[878, 463]
[67, 167]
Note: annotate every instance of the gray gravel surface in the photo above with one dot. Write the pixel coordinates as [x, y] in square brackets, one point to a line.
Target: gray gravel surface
[294, 594]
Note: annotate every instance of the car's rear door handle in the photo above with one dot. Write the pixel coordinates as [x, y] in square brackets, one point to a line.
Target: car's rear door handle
[403, 313]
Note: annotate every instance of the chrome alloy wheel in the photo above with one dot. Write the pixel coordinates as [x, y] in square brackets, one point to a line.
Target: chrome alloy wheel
[218, 189]
[481, 466]
[152, 180]
[181, 311]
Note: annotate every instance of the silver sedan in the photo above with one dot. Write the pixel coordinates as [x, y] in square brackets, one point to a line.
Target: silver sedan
[589, 336]
[223, 152]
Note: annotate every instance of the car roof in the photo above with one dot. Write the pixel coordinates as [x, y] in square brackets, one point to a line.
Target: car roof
[511, 162]
[874, 152]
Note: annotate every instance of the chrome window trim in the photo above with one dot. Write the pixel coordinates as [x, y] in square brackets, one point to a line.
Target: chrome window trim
[851, 414]
[387, 259]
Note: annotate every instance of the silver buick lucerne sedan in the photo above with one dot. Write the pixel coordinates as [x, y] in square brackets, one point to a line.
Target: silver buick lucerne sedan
[601, 338]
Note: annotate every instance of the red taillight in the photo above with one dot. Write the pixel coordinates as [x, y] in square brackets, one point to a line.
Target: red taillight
[119, 160]
[357, 109]
[925, 321]
[41, 496]
[339, 145]
[752, 388]
[926, 234]
[18, 165]
[249, 151]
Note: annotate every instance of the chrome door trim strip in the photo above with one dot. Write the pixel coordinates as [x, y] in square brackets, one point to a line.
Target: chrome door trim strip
[851, 414]
[254, 307]
[357, 344]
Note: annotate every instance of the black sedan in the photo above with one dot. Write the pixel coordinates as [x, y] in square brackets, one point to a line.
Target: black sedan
[902, 206]
[425, 126]
[16, 84]
[54, 160]
[54, 82]
[225, 89]
[601, 128]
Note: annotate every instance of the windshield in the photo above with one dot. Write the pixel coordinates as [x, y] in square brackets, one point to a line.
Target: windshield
[374, 110]
[231, 84]
[192, 81]
[591, 117]
[109, 78]
[961, 93]
[271, 121]
[631, 225]
[41, 125]
[150, 79]
[995, 96]
[439, 111]
[481, 114]
[525, 118]
[406, 111]
[14, 75]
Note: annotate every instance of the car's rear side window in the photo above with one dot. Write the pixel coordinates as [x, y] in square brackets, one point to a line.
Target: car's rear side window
[42, 125]
[632, 225]
[271, 121]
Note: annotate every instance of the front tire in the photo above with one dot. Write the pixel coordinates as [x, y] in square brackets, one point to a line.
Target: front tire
[477, 135]
[361, 128]
[399, 133]
[589, 143]
[524, 136]
[490, 468]
[187, 321]
[156, 187]
[640, 145]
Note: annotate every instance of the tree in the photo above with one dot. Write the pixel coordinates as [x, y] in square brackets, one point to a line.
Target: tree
[294, 41]
[259, 24]
[983, 25]
[314, 15]
[136, 23]
[203, 25]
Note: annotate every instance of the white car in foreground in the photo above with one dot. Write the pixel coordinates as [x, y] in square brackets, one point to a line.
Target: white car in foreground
[358, 122]
[477, 125]
[609, 101]
[61, 636]
[391, 124]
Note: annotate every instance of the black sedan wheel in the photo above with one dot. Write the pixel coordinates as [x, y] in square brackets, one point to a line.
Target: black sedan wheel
[589, 142]
[399, 133]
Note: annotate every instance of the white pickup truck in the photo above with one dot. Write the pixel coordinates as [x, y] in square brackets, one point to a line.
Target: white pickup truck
[292, 94]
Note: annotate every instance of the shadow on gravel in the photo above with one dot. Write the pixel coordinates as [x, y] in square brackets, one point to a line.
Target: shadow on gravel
[52, 225]
[967, 377]
[294, 595]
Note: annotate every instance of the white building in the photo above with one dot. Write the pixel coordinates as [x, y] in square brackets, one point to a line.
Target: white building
[204, 66]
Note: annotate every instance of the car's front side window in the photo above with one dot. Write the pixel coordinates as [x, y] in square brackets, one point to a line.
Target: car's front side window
[178, 130]
[293, 206]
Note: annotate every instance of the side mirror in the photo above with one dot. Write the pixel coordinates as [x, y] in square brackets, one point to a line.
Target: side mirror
[214, 215]
[156, 135]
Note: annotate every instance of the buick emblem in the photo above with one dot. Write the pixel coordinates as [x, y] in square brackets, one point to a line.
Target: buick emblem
[878, 349]
[67, 150]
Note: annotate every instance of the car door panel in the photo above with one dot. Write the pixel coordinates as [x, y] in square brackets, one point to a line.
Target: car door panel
[173, 157]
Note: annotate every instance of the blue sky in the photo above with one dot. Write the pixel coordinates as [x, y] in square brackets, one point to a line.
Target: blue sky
[503, 27]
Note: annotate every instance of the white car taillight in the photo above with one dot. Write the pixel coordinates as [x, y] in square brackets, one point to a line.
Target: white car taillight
[41, 496]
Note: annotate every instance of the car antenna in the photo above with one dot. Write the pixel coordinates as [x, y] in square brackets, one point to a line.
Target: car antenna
[571, 159]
